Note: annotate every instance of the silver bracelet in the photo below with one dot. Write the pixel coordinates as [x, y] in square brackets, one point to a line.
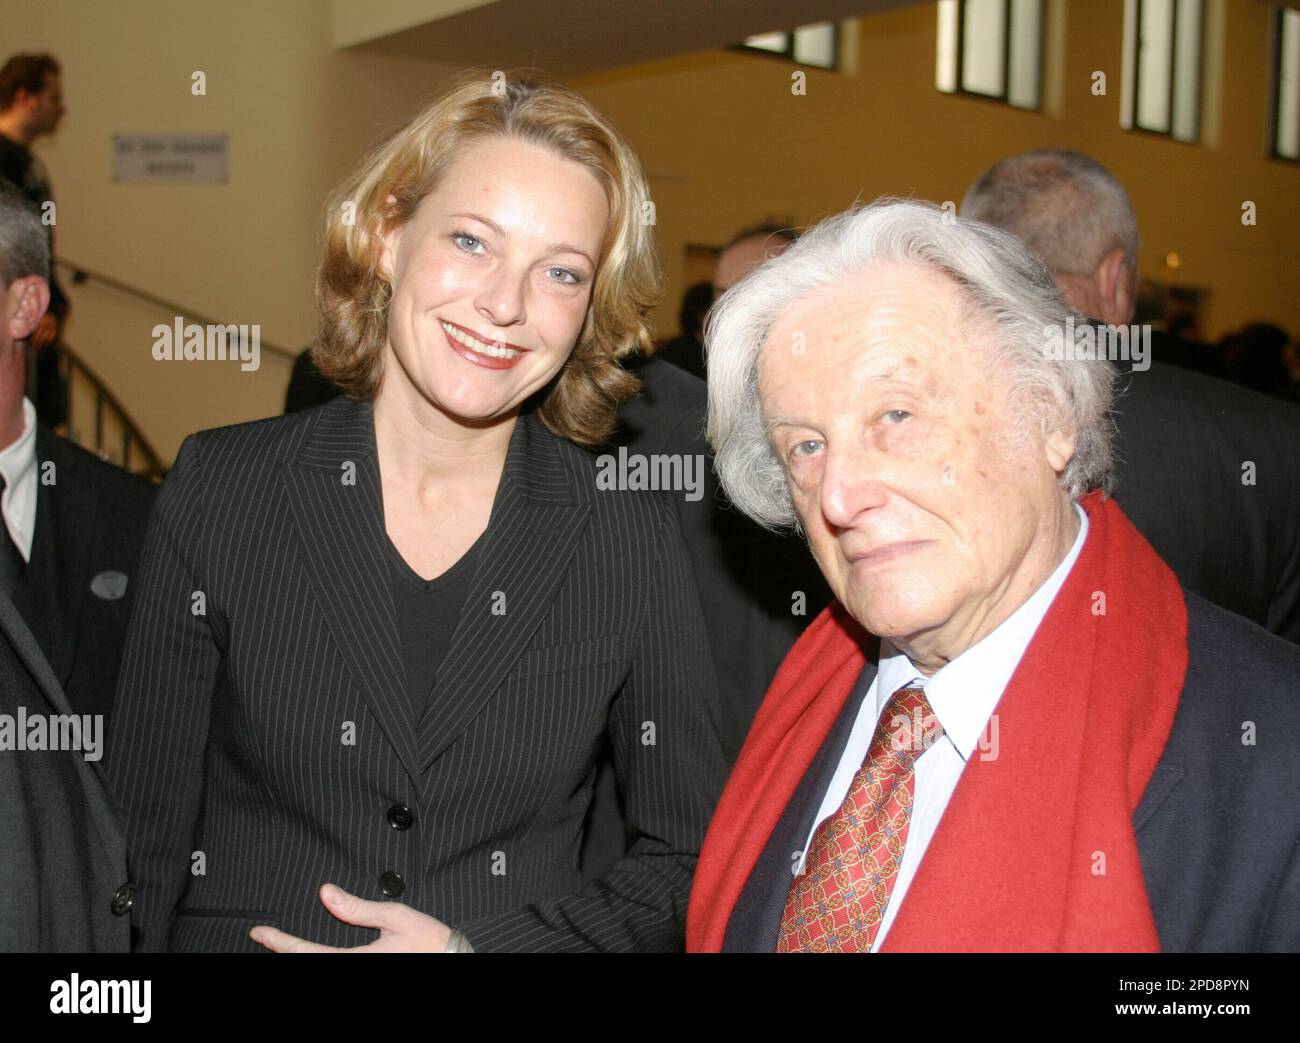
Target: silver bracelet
[458, 942]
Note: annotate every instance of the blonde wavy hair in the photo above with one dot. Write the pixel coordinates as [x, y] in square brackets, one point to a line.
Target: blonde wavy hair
[581, 402]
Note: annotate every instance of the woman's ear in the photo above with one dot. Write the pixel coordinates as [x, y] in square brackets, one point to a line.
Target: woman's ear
[389, 234]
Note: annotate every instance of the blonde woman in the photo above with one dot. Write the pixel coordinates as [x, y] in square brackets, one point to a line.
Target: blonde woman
[377, 645]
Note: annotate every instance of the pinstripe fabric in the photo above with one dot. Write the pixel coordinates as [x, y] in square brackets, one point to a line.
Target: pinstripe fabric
[270, 732]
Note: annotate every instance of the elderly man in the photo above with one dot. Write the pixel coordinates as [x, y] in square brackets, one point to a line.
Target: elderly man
[1182, 436]
[1012, 730]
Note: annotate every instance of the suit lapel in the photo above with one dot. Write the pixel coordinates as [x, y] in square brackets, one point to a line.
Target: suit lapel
[534, 528]
[24, 644]
[334, 492]
[1162, 783]
[61, 548]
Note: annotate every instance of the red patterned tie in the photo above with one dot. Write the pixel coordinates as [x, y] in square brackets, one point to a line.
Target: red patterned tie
[838, 902]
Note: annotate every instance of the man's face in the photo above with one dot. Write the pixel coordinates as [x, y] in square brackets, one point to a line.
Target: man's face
[47, 107]
[930, 521]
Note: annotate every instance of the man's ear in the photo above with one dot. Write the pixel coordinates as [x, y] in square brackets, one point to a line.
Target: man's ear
[26, 301]
[1113, 280]
[1059, 446]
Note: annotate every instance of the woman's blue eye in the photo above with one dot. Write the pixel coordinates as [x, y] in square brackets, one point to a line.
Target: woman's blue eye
[461, 238]
[566, 276]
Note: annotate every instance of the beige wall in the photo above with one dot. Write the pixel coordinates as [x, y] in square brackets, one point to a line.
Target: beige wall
[726, 143]
[722, 138]
[299, 115]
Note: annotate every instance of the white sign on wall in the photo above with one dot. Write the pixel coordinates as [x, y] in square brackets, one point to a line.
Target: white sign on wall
[170, 157]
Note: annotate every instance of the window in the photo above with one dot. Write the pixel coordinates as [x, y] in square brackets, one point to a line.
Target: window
[1162, 67]
[816, 45]
[1286, 84]
[991, 48]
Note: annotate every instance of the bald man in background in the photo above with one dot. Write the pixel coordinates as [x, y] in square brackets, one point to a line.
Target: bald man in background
[746, 251]
[1229, 454]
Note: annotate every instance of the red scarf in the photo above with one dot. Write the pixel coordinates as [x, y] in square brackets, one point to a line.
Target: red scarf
[1017, 862]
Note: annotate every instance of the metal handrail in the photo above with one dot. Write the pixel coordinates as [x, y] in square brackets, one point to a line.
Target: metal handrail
[81, 274]
[106, 400]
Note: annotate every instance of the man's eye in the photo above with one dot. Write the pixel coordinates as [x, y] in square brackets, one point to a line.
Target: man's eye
[805, 448]
[897, 416]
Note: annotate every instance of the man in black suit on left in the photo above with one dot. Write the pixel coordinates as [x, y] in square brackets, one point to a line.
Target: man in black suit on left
[69, 539]
[73, 524]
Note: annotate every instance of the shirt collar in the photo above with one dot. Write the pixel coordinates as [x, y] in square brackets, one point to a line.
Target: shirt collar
[966, 691]
[19, 455]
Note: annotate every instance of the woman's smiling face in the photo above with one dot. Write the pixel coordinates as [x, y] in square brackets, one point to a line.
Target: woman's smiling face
[491, 279]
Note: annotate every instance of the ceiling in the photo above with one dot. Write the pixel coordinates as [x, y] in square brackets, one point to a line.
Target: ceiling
[574, 36]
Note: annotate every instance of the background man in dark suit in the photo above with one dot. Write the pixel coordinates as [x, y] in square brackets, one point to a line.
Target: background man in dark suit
[73, 524]
[308, 388]
[1183, 437]
[758, 589]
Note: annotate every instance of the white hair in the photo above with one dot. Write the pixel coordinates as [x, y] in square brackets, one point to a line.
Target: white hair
[998, 277]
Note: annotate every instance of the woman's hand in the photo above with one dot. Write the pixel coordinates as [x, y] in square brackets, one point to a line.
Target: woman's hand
[401, 928]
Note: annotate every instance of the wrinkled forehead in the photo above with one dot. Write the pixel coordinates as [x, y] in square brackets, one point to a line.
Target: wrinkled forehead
[896, 318]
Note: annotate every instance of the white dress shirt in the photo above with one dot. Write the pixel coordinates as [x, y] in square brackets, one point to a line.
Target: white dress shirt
[18, 465]
[963, 695]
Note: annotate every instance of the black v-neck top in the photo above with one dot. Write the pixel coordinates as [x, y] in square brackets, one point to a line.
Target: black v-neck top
[428, 611]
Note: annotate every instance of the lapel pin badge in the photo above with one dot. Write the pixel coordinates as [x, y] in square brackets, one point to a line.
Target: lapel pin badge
[110, 585]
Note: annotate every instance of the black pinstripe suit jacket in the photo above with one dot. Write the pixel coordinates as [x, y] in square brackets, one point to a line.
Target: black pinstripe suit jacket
[263, 733]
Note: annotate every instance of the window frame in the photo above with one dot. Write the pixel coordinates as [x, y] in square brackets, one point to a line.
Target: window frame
[1197, 124]
[787, 55]
[1003, 98]
[1275, 86]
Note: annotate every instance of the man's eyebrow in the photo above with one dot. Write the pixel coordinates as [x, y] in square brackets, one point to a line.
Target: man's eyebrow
[898, 371]
[773, 423]
[554, 248]
[905, 374]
